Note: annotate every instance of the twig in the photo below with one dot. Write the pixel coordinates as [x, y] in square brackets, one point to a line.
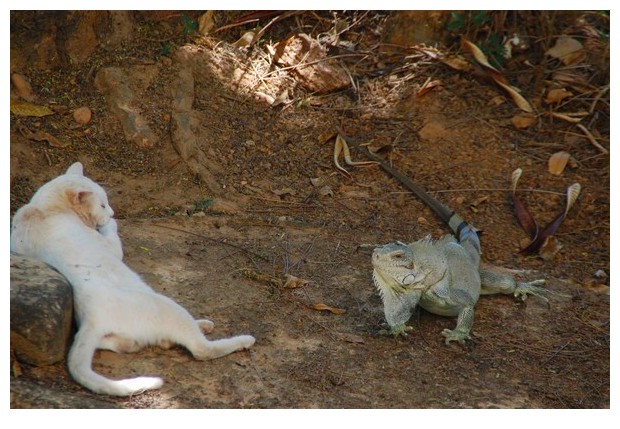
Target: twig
[555, 353]
[320, 60]
[243, 249]
[592, 139]
[598, 97]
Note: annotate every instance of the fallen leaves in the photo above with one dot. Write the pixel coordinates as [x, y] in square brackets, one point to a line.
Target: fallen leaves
[557, 162]
[289, 281]
[26, 108]
[543, 242]
[40, 136]
[341, 147]
[323, 307]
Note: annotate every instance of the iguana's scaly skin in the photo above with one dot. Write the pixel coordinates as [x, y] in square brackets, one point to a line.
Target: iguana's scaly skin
[443, 277]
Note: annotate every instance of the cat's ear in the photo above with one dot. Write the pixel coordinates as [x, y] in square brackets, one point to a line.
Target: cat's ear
[77, 197]
[76, 168]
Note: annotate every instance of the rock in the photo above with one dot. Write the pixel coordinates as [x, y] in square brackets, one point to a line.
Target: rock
[41, 312]
[28, 394]
[82, 115]
[185, 125]
[23, 87]
[432, 131]
[322, 75]
[114, 84]
[412, 27]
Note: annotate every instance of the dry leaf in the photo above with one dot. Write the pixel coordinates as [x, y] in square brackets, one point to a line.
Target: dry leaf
[521, 102]
[205, 23]
[524, 217]
[478, 54]
[541, 239]
[564, 47]
[283, 191]
[316, 181]
[598, 288]
[293, 282]
[42, 136]
[245, 40]
[523, 120]
[326, 190]
[557, 162]
[323, 307]
[428, 85]
[557, 95]
[341, 146]
[456, 62]
[479, 201]
[573, 118]
[24, 108]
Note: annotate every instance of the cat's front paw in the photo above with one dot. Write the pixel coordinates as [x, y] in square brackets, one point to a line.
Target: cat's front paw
[108, 229]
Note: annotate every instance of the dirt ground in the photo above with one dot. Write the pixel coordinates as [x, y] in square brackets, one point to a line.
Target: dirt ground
[223, 253]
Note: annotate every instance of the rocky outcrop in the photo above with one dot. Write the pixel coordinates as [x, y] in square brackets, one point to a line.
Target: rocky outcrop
[41, 312]
[116, 87]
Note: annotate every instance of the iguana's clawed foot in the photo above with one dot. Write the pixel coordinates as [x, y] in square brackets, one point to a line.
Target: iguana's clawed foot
[397, 331]
[531, 288]
[455, 335]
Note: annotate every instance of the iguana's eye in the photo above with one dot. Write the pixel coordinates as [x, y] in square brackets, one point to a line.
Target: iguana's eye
[398, 255]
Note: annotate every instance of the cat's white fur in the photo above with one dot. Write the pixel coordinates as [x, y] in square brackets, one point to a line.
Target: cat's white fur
[69, 225]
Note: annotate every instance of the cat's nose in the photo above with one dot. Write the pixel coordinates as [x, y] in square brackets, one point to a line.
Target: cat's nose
[111, 212]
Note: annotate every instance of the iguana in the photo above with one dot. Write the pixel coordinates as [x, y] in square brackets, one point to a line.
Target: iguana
[443, 276]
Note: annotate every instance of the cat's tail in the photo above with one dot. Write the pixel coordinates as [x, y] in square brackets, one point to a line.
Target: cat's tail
[80, 366]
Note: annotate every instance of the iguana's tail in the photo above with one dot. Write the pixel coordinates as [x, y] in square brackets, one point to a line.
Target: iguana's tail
[80, 366]
[467, 236]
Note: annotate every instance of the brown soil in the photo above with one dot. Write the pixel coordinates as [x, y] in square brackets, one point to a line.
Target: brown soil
[222, 253]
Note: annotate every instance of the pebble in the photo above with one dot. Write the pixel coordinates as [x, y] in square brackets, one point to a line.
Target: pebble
[82, 115]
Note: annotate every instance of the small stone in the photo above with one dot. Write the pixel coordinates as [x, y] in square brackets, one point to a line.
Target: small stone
[23, 87]
[82, 115]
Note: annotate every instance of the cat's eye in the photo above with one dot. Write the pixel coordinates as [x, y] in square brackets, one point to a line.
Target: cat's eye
[103, 206]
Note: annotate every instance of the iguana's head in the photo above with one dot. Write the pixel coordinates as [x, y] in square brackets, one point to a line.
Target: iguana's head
[393, 267]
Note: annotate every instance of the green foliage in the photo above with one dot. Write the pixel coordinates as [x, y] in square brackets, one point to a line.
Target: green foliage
[494, 50]
[165, 50]
[189, 25]
[204, 204]
[477, 22]
[458, 20]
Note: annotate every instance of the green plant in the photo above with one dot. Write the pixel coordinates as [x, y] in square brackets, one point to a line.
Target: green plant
[204, 204]
[189, 25]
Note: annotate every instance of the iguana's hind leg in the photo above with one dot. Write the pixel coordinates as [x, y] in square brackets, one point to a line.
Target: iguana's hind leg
[493, 282]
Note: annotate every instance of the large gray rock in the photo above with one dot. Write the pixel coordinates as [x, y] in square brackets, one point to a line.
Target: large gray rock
[41, 312]
[30, 394]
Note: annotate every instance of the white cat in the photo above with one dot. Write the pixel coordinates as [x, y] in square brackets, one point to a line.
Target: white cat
[68, 224]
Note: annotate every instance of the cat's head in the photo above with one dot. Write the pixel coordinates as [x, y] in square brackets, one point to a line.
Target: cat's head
[78, 193]
[87, 198]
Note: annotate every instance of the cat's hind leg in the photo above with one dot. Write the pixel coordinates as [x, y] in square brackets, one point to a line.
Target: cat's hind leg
[205, 325]
[119, 344]
[189, 332]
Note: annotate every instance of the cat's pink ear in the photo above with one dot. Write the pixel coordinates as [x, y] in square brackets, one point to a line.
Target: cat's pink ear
[77, 197]
[76, 168]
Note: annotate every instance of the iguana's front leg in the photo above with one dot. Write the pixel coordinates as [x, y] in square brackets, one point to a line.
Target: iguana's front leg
[464, 324]
[398, 308]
